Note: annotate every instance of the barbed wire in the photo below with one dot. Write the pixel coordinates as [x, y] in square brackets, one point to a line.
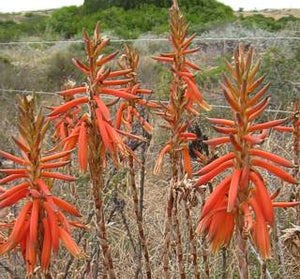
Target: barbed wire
[105, 97]
[202, 39]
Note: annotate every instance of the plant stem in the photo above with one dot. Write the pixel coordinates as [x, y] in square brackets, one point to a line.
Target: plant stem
[167, 232]
[178, 236]
[262, 262]
[280, 247]
[296, 148]
[242, 255]
[139, 218]
[96, 169]
[175, 220]
[224, 262]
[263, 270]
[142, 179]
[192, 240]
[205, 257]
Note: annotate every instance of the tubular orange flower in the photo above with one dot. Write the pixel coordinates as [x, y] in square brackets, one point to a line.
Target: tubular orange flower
[13, 158]
[69, 105]
[262, 196]
[272, 157]
[248, 197]
[72, 91]
[82, 148]
[214, 172]
[233, 189]
[46, 249]
[66, 206]
[216, 195]
[217, 141]
[275, 170]
[260, 230]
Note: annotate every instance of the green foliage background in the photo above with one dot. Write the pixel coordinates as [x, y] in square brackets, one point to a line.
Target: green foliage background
[129, 19]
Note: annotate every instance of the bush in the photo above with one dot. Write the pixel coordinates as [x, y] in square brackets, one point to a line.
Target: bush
[30, 25]
[65, 21]
[9, 30]
[132, 23]
[267, 23]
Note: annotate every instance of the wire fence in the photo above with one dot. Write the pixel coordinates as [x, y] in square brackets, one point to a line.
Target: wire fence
[202, 39]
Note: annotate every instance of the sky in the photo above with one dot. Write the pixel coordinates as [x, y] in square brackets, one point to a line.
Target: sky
[7, 6]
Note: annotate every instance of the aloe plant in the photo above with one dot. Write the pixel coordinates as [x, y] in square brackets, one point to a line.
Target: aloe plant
[184, 102]
[41, 223]
[94, 132]
[241, 200]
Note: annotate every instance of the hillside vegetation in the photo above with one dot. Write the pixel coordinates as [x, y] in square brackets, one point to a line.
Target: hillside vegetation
[128, 19]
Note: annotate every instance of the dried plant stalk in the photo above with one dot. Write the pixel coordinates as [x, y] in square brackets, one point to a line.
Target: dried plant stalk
[296, 149]
[168, 233]
[192, 238]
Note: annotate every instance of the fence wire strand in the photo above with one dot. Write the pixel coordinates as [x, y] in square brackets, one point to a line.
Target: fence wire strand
[202, 39]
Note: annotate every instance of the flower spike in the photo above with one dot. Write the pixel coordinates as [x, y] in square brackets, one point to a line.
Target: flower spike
[244, 192]
[35, 228]
[185, 102]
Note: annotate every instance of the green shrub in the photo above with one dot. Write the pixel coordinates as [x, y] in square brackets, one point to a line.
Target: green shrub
[267, 23]
[29, 26]
[9, 31]
[66, 21]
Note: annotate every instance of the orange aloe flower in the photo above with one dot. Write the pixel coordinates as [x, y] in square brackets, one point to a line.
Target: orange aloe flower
[94, 133]
[41, 223]
[129, 108]
[102, 84]
[242, 194]
[185, 102]
[185, 97]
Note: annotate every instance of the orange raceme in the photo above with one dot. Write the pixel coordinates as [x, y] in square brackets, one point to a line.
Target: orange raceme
[243, 194]
[185, 98]
[39, 218]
